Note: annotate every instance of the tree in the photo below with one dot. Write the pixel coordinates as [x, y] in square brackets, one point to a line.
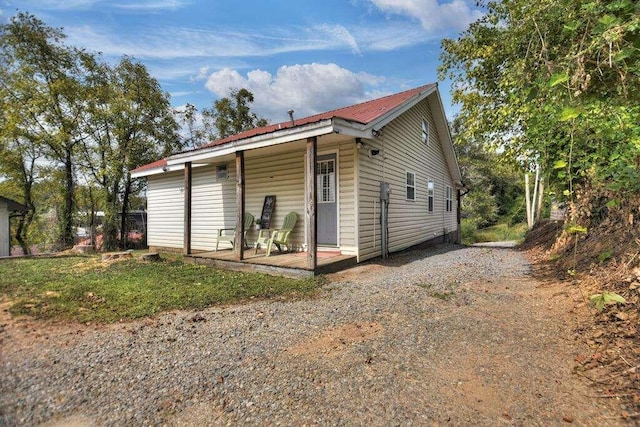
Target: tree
[131, 124]
[554, 82]
[19, 166]
[43, 82]
[493, 181]
[68, 111]
[233, 115]
[197, 129]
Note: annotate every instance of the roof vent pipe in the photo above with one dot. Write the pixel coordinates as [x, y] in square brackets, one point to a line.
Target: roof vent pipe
[290, 113]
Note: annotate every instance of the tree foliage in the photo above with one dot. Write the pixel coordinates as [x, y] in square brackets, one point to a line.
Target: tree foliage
[227, 116]
[43, 94]
[555, 82]
[233, 115]
[82, 118]
[494, 187]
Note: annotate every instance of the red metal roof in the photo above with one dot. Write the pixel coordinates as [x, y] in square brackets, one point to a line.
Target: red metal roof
[156, 164]
[364, 113]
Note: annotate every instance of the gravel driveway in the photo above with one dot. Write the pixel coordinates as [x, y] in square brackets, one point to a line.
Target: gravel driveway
[449, 335]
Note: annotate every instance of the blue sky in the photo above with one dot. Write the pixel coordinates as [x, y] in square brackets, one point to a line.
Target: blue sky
[310, 56]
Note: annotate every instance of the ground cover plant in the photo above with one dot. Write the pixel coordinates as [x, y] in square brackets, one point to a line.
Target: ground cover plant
[86, 289]
[502, 231]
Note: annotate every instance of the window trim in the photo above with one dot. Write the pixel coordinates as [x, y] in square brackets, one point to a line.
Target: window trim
[408, 186]
[425, 131]
[449, 198]
[431, 192]
[320, 185]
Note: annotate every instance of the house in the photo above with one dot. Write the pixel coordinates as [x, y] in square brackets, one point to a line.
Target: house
[336, 170]
[8, 208]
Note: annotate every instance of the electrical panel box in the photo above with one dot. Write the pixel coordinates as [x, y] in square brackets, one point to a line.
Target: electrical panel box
[385, 190]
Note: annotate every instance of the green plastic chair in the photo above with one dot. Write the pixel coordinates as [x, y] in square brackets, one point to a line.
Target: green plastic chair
[279, 236]
[225, 236]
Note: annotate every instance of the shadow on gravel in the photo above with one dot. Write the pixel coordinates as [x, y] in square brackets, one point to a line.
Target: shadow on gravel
[407, 256]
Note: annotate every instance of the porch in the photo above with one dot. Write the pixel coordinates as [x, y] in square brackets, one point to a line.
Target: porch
[293, 264]
[318, 188]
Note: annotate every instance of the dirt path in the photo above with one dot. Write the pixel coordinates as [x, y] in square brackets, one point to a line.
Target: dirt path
[386, 344]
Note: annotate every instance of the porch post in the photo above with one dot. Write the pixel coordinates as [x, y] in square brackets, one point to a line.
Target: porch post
[186, 248]
[311, 221]
[239, 242]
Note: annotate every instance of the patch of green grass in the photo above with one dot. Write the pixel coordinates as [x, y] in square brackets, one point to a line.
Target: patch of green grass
[442, 295]
[496, 233]
[83, 289]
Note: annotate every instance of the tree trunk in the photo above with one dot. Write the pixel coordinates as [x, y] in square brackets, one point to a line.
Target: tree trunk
[66, 222]
[527, 197]
[540, 200]
[20, 234]
[534, 199]
[110, 224]
[26, 218]
[92, 219]
[124, 228]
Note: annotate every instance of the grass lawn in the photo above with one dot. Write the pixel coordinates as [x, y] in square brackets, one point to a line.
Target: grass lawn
[496, 233]
[83, 289]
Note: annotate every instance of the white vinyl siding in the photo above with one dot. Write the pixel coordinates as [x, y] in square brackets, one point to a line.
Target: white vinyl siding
[279, 172]
[165, 210]
[346, 197]
[213, 204]
[403, 149]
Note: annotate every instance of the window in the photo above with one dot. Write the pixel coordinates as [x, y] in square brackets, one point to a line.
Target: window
[449, 199]
[326, 181]
[430, 192]
[411, 186]
[425, 131]
[221, 172]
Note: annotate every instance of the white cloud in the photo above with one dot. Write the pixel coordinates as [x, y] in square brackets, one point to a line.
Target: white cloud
[341, 34]
[139, 5]
[168, 43]
[182, 42]
[308, 88]
[393, 36]
[433, 15]
[180, 93]
[152, 5]
[202, 73]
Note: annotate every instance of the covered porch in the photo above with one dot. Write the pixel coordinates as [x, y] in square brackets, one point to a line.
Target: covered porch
[293, 264]
[289, 173]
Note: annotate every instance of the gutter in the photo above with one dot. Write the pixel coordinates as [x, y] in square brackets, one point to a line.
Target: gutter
[279, 137]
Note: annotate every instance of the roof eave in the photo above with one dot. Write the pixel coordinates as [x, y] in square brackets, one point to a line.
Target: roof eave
[310, 130]
[155, 171]
[392, 114]
[449, 151]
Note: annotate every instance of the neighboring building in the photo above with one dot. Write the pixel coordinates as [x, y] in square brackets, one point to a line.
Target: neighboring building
[8, 208]
[401, 139]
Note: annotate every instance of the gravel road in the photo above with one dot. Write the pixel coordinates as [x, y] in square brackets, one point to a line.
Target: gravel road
[449, 335]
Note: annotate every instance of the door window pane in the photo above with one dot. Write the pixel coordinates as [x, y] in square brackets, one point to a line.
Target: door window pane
[326, 181]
